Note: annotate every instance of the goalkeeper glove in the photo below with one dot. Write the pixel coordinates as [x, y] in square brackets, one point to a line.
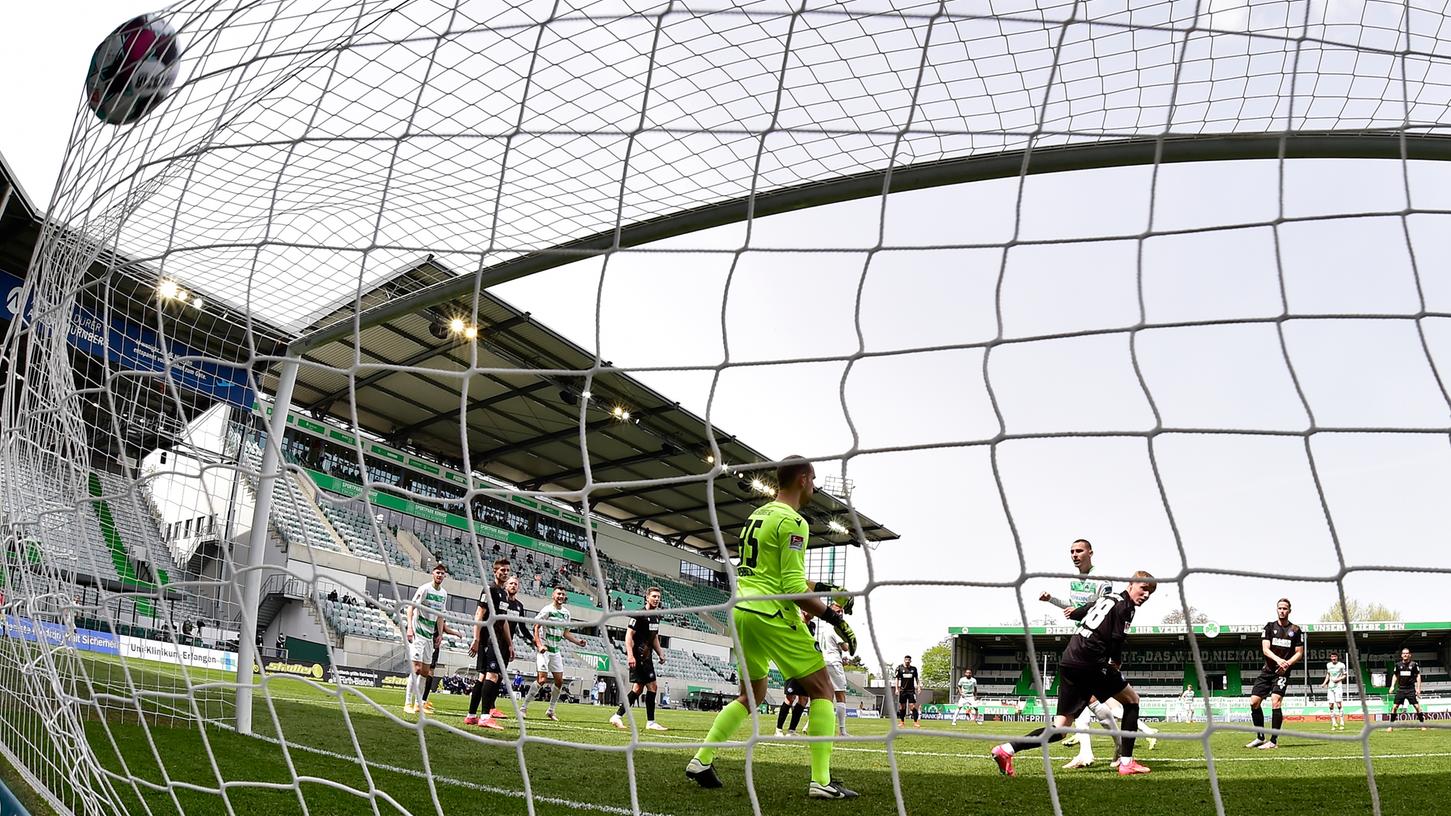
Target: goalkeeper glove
[843, 629]
[839, 595]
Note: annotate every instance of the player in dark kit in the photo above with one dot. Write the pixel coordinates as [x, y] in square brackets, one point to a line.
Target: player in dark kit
[1283, 645]
[493, 646]
[905, 683]
[1090, 668]
[793, 703]
[1408, 688]
[642, 644]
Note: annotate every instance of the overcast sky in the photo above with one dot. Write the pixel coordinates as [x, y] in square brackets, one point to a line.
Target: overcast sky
[1239, 502]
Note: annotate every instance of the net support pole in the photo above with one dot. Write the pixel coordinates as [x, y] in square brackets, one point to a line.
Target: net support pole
[257, 542]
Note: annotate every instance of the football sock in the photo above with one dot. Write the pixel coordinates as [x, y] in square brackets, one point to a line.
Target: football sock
[1258, 715]
[1420, 715]
[796, 712]
[649, 706]
[476, 696]
[554, 696]
[724, 727]
[916, 714]
[820, 726]
[1104, 715]
[1277, 718]
[491, 695]
[901, 713]
[841, 717]
[632, 696]
[1021, 744]
[781, 716]
[1393, 714]
[428, 684]
[1131, 724]
[408, 690]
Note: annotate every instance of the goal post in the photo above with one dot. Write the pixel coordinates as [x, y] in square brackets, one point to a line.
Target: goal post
[248, 660]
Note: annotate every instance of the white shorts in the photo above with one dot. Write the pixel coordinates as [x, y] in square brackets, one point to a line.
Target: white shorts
[967, 701]
[837, 675]
[549, 662]
[1334, 694]
[420, 649]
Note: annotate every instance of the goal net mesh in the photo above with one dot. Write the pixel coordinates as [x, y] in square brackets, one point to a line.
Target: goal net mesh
[1170, 269]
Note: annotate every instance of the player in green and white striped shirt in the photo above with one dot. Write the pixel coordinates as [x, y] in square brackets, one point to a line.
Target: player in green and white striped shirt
[966, 697]
[549, 636]
[424, 632]
[1335, 676]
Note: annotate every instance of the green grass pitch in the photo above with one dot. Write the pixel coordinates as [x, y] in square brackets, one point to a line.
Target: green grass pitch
[580, 766]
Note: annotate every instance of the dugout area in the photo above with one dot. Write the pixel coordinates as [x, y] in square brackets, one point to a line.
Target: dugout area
[1159, 662]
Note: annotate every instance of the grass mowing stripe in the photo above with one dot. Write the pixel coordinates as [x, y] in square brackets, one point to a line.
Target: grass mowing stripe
[459, 783]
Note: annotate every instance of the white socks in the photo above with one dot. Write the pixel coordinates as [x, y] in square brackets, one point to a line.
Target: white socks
[554, 697]
[841, 718]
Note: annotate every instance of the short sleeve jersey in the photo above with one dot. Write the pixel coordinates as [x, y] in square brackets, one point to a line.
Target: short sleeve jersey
[428, 604]
[967, 686]
[646, 629]
[907, 678]
[1335, 674]
[1086, 589]
[1284, 640]
[1101, 632]
[830, 644]
[772, 559]
[1406, 673]
[495, 602]
[553, 636]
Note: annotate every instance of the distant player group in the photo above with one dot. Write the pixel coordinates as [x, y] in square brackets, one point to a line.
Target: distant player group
[493, 648]
[1091, 682]
[807, 638]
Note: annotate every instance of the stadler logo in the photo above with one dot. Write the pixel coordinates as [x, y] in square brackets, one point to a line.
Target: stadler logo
[313, 670]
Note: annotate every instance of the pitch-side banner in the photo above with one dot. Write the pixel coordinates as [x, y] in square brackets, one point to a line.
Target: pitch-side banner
[367, 678]
[61, 636]
[165, 651]
[133, 347]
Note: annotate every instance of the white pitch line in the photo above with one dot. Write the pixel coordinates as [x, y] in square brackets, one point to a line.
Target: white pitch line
[462, 783]
[779, 742]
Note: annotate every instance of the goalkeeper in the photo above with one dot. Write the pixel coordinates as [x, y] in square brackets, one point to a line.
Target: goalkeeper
[773, 562]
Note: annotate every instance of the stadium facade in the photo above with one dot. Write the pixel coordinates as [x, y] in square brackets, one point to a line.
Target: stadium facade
[1160, 662]
[376, 488]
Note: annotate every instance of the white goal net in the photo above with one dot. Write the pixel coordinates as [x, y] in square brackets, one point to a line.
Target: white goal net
[1169, 275]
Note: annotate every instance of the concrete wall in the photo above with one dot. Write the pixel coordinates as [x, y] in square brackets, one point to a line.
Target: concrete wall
[647, 553]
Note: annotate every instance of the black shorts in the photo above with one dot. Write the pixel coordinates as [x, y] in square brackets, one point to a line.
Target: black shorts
[1079, 684]
[792, 688]
[644, 672]
[434, 663]
[487, 662]
[1270, 683]
[1407, 695]
[907, 698]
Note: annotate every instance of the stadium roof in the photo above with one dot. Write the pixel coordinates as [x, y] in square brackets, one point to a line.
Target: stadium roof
[521, 416]
[17, 211]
